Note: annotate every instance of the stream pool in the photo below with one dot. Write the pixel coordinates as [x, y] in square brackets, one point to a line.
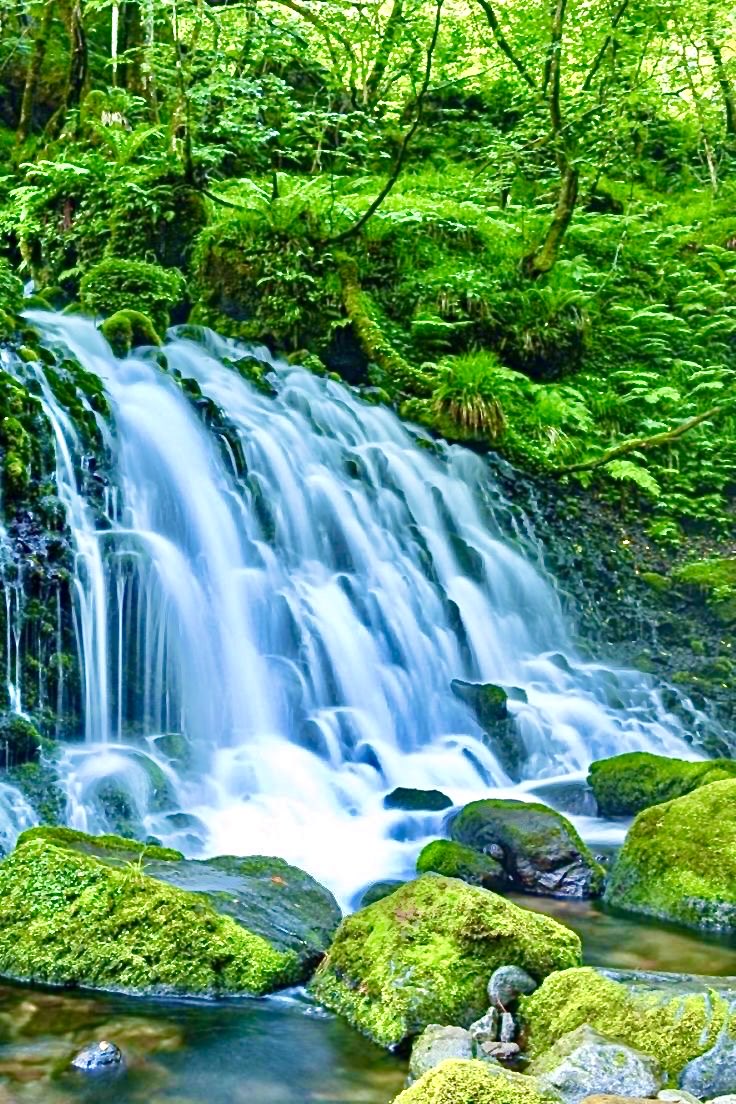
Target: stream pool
[276, 1051]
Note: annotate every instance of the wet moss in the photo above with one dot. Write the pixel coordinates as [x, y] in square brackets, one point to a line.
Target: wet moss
[117, 285]
[454, 860]
[425, 953]
[673, 1027]
[126, 329]
[39, 784]
[461, 1081]
[66, 918]
[98, 846]
[716, 579]
[679, 861]
[626, 784]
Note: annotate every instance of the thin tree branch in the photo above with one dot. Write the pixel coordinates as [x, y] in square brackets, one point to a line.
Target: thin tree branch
[598, 59]
[503, 43]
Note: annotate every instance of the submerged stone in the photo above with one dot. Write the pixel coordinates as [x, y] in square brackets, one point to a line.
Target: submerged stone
[105, 912]
[542, 852]
[424, 955]
[674, 1018]
[679, 861]
[102, 1057]
[627, 784]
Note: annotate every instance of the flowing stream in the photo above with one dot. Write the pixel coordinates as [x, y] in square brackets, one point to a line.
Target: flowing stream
[272, 605]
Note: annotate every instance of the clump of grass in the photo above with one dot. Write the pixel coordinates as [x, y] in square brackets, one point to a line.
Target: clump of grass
[467, 393]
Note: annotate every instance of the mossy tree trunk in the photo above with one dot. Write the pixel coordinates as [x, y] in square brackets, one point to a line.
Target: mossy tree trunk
[35, 68]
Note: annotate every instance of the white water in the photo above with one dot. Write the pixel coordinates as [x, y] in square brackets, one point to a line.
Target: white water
[300, 623]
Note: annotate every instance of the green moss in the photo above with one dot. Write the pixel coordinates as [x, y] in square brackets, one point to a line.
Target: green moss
[626, 784]
[424, 955]
[98, 846]
[116, 285]
[716, 579]
[20, 740]
[39, 784]
[673, 1028]
[127, 329]
[679, 861]
[457, 861]
[67, 918]
[11, 289]
[459, 1081]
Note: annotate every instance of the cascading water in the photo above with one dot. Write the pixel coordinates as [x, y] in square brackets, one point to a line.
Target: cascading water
[272, 614]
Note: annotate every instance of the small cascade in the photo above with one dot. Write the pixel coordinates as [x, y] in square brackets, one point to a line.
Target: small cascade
[274, 601]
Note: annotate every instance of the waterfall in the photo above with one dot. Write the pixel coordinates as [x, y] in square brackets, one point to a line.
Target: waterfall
[273, 608]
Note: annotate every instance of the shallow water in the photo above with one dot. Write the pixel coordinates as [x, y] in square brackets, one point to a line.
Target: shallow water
[277, 1051]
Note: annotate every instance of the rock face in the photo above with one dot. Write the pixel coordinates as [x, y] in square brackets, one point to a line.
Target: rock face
[624, 785]
[489, 703]
[424, 955]
[584, 1063]
[454, 860]
[436, 1045]
[675, 1018]
[541, 851]
[679, 861]
[104, 912]
[458, 1082]
[419, 801]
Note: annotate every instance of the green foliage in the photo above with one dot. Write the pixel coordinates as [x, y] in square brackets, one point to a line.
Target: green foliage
[11, 289]
[467, 393]
[115, 285]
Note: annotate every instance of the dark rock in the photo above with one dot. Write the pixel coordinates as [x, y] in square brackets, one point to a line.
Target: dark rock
[542, 852]
[102, 1057]
[489, 704]
[420, 801]
[572, 798]
[498, 1052]
[378, 891]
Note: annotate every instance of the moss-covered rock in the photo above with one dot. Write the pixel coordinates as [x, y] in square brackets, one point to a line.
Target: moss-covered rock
[108, 913]
[715, 579]
[459, 1081]
[417, 801]
[127, 329]
[20, 740]
[38, 781]
[454, 860]
[673, 1019]
[424, 955]
[489, 703]
[626, 784]
[538, 848]
[678, 862]
[117, 285]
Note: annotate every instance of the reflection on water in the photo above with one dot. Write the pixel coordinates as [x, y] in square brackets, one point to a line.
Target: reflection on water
[260, 1052]
[625, 943]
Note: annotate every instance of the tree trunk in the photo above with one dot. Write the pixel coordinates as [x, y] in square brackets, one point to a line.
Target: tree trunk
[543, 259]
[35, 67]
[725, 85]
[78, 58]
[383, 56]
[132, 46]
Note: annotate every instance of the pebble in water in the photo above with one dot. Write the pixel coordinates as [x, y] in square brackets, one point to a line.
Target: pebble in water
[102, 1057]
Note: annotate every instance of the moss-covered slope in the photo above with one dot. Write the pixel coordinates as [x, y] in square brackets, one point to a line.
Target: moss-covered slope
[425, 953]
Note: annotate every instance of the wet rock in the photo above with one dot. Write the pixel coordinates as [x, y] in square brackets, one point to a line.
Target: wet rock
[507, 984]
[680, 1096]
[435, 1045]
[489, 704]
[507, 1032]
[485, 1030]
[542, 852]
[714, 1073]
[424, 955]
[480, 1082]
[572, 798]
[419, 801]
[584, 1063]
[102, 1057]
[454, 860]
[378, 891]
[625, 785]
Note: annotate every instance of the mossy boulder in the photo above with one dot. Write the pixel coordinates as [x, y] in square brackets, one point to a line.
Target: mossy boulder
[489, 703]
[538, 848]
[678, 862]
[127, 329]
[715, 580]
[459, 1081]
[105, 912]
[20, 740]
[117, 285]
[673, 1018]
[454, 860]
[626, 784]
[425, 953]
[585, 1063]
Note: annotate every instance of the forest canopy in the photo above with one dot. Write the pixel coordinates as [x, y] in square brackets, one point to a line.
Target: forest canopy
[514, 221]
